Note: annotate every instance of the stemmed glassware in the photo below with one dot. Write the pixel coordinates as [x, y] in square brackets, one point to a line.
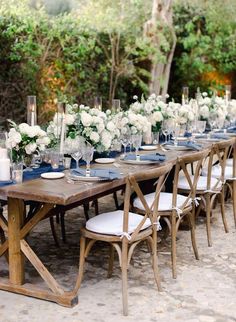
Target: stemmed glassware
[137, 141]
[167, 126]
[176, 132]
[87, 155]
[75, 149]
[125, 141]
[201, 126]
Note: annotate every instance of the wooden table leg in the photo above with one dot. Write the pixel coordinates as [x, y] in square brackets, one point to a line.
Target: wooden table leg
[16, 257]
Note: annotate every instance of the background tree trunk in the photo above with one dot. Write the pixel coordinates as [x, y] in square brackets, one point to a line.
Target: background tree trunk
[160, 22]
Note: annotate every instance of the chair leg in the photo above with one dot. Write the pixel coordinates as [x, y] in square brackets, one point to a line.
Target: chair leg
[124, 268]
[111, 262]
[86, 209]
[63, 229]
[173, 245]
[116, 200]
[96, 207]
[81, 264]
[193, 236]
[155, 261]
[57, 218]
[54, 234]
[234, 201]
[222, 207]
[208, 219]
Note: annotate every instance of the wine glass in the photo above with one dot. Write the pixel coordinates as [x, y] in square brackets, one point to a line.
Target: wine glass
[165, 129]
[75, 148]
[176, 132]
[201, 126]
[87, 155]
[192, 129]
[125, 141]
[137, 141]
[155, 138]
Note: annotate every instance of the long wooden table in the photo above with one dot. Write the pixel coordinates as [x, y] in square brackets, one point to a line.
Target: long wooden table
[50, 193]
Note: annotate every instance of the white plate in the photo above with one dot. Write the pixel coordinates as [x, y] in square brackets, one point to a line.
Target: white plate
[83, 178]
[148, 147]
[52, 175]
[178, 147]
[105, 160]
[208, 139]
[182, 138]
[141, 162]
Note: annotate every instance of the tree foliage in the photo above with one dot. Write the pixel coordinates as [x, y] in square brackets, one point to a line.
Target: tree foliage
[206, 42]
[84, 48]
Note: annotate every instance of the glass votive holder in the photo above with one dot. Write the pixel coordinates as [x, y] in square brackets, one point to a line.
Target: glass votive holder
[17, 172]
[55, 159]
[67, 162]
[155, 138]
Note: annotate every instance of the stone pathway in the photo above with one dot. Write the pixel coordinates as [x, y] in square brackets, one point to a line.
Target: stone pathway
[205, 290]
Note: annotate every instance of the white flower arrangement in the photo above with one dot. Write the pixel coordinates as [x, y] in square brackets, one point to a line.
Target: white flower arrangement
[135, 123]
[232, 110]
[54, 127]
[152, 109]
[97, 128]
[24, 140]
[212, 107]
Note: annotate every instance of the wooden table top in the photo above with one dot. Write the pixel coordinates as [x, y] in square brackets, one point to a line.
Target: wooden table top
[61, 192]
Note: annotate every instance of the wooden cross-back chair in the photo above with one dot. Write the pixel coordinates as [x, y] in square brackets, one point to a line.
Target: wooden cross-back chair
[173, 206]
[124, 230]
[230, 176]
[211, 183]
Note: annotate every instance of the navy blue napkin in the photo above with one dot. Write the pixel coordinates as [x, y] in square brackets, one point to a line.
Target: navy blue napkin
[147, 157]
[220, 136]
[6, 183]
[36, 173]
[191, 145]
[109, 174]
[231, 129]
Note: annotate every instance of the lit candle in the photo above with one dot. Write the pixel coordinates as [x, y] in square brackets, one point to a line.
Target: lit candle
[31, 110]
[3, 153]
[62, 134]
[4, 169]
[227, 94]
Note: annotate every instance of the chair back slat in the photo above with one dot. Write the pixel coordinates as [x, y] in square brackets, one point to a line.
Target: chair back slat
[132, 185]
[194, 161]
[218, 156]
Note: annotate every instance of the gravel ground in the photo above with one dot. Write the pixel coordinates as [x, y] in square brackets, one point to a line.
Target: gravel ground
[205, 290]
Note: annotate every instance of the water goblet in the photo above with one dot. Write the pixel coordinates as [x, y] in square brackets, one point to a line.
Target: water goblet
[87, 155]
[137, 141]
[75, 149]
[125, 141]
[201, 126]
[77, 155]
[155, 138]
[176, 133]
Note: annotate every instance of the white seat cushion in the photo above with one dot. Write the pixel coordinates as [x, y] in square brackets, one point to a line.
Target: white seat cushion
[216, 172]
[229, 162]
[201, 184]
[165, 201]
[111, 223]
